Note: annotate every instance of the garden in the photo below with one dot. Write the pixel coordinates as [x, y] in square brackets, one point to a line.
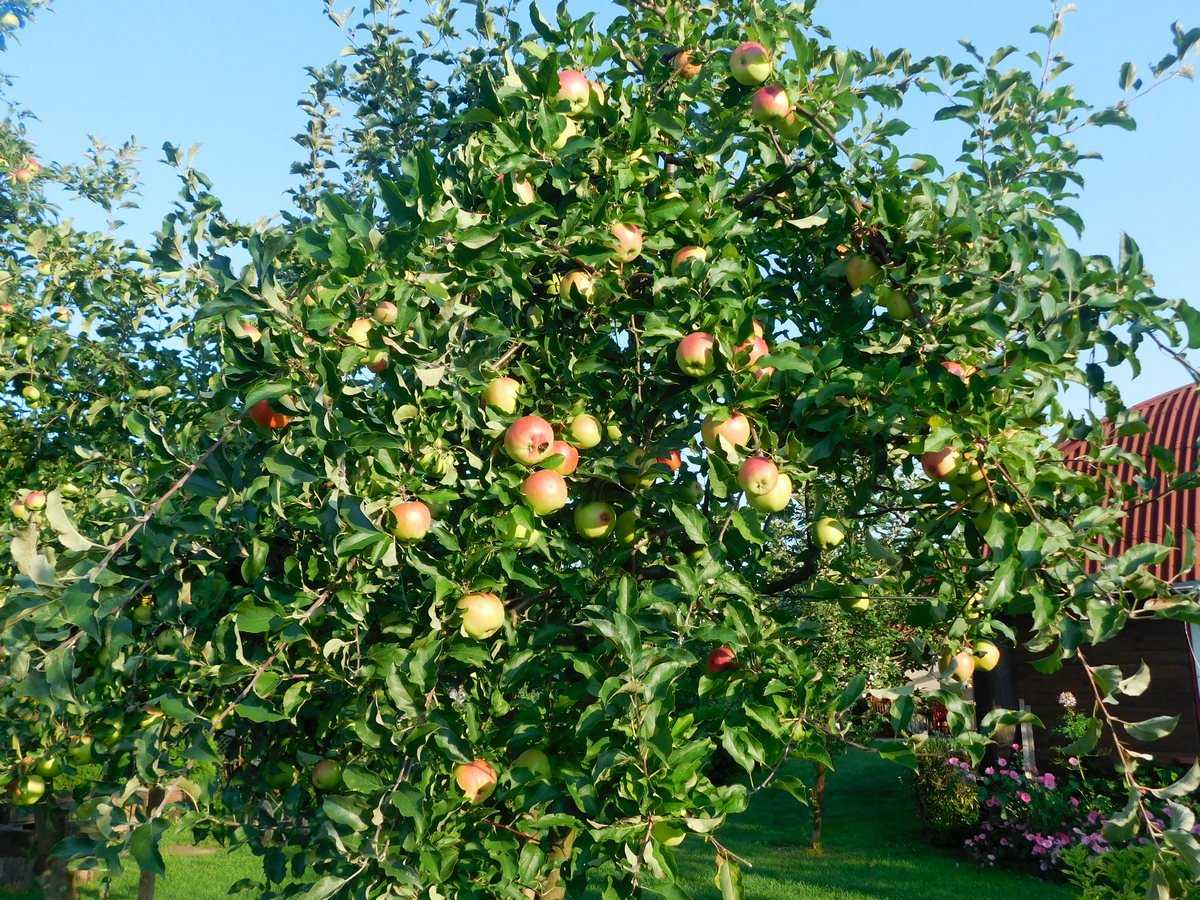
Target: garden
[635, 461]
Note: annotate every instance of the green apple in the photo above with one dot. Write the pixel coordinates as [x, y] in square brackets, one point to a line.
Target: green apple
[987, 655]
[327, 775]
[828, 532]
[862, 270]
[80, 750]
[584, 431]
[595, 521]
[502, 394]
[535, 761]
[48, 766]
[627, 526]
[29, 790]
[774, 500]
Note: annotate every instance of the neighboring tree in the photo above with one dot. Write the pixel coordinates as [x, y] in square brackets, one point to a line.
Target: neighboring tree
[349, 617]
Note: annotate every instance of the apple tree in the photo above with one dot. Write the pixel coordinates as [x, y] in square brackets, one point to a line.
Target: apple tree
[455, 577]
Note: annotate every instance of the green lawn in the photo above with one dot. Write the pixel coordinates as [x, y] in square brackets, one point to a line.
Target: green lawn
[873, 850]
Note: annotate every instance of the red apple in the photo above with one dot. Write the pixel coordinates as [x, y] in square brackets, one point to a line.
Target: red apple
[386, 313]
[378, 361]
[939, 464]
[482, 615]
[574, 89]
[735, 428]
[476, 779]
[758, 475]
[750, 63]
[545, 492]
[770, 104]
[266, 417]
[861, 270]
[34, 500]
[502, 393]
[627, 242]
[595, 521]
[528, 440]
[327, 775]
[747, 354]
[413, 520]
[960, 665]
[687, 257]
[673, 460]
[695, 354]
[28, 171]
[720, 660]
[570, 455]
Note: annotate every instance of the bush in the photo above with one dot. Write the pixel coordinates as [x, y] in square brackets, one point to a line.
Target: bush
[1120, 874]
[947, 802]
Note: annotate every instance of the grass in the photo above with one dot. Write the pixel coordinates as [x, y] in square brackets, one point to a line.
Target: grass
[873, 849]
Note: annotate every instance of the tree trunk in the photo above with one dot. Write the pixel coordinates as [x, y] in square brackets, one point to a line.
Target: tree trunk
[817, 805]
[146, 885]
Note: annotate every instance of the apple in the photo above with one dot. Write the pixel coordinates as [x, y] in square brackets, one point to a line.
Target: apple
[29, 790]
[960, 666]
[750, 63]
[735, 428]
[501, 393]
[10, 20]
[694, 354]
[386, 313]
[378, 361]
[684, 65]
[987, 656]
[476, 779]
[570, 130]
[687, 257]
[570, 457]
[18, 510]
[959, 370]
[48, 766]
[774, 500]
[359, 331]
[535, 761]
[524, 190]
[584, 431]
[828, 532]
[673, 460]
[856, 602]
[641, 477]
[573, 89]
[595, 521]
[109, 735]
[80, 750]
[266, 417]
[35, 500]
[790, 127]
[143, 611]
[413, 520]
[528, 440]
[627, 242]
[758, 475]
[747, 354]
[250, 330]
[576, 284]
[612, 430]
[482, 615]
[770, 103]
[720, 660]
[327, 775]
[626, 527]
[895, 303]
[31, 393]
[279, 775]
[545, 492]
[667, 834]
[939, 464]
[27, 172]
[861, 270]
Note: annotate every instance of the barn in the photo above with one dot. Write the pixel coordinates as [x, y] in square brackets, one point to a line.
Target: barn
[1169, 647]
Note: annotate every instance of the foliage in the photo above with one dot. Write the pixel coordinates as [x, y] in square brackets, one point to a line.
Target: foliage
[948, 803]
[226, 609]
[1119, 874]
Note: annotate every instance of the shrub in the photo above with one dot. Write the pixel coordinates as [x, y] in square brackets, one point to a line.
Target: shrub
[1121, 873]
[948, 803]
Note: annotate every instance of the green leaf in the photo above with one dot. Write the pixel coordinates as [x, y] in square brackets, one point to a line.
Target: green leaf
[57, 516]
[729, 879]
[1151, 729]
[694, 524]
[1186, 784]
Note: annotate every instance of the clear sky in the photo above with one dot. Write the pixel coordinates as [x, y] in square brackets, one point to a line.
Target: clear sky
[227, 73]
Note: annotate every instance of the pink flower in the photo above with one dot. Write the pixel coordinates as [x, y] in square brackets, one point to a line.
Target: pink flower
[1075, 802]
[1073, 761]
[1016, 746]
[1048, 780]
[1024, 796]
[952, 761]
[1002, 761]
[989, 771]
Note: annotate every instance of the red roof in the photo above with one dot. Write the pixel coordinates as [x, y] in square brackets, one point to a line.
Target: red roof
[1173, 422]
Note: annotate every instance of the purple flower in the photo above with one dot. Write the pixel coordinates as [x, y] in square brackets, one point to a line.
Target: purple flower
[1075, 802]
[952, 761]
[1048, 780]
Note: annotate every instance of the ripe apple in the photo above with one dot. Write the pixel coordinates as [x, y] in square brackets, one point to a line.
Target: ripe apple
[987, 656]
[573, 89]
[535, 761]
[413, 520]
[960, 666]
[750, 63]
[378, 361]
[861, 270]
[482, 615]
[502, 393]
[35, 500]
[80, 750]
[687, 257]
[266, 417]
[895, 303]
[18, 510]
[684, 65]
[570, 130]
[386, 313]
[939, 464]
[29, 790]
[673, 460]
[48, 766]
[774, 500]
[627, 242]
[667, 834]
[28, 171]
[770, 104]
[528, 440]
[476, 779]
[827, 533]
[584, 431]
[570, 457]
[327, 775]
[750, 351]
[758, 475]
[524, 190]
[595, 521]
[359, 331]
[735, 428]
[720, 660]
[250, 330]
[694, 354]
[626, 529]
[576, 284]
[545, 492]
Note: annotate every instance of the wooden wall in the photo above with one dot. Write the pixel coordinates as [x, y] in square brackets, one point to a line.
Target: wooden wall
[1164, 646]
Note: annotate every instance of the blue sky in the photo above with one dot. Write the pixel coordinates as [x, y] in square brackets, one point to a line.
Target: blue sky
[227, 73]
